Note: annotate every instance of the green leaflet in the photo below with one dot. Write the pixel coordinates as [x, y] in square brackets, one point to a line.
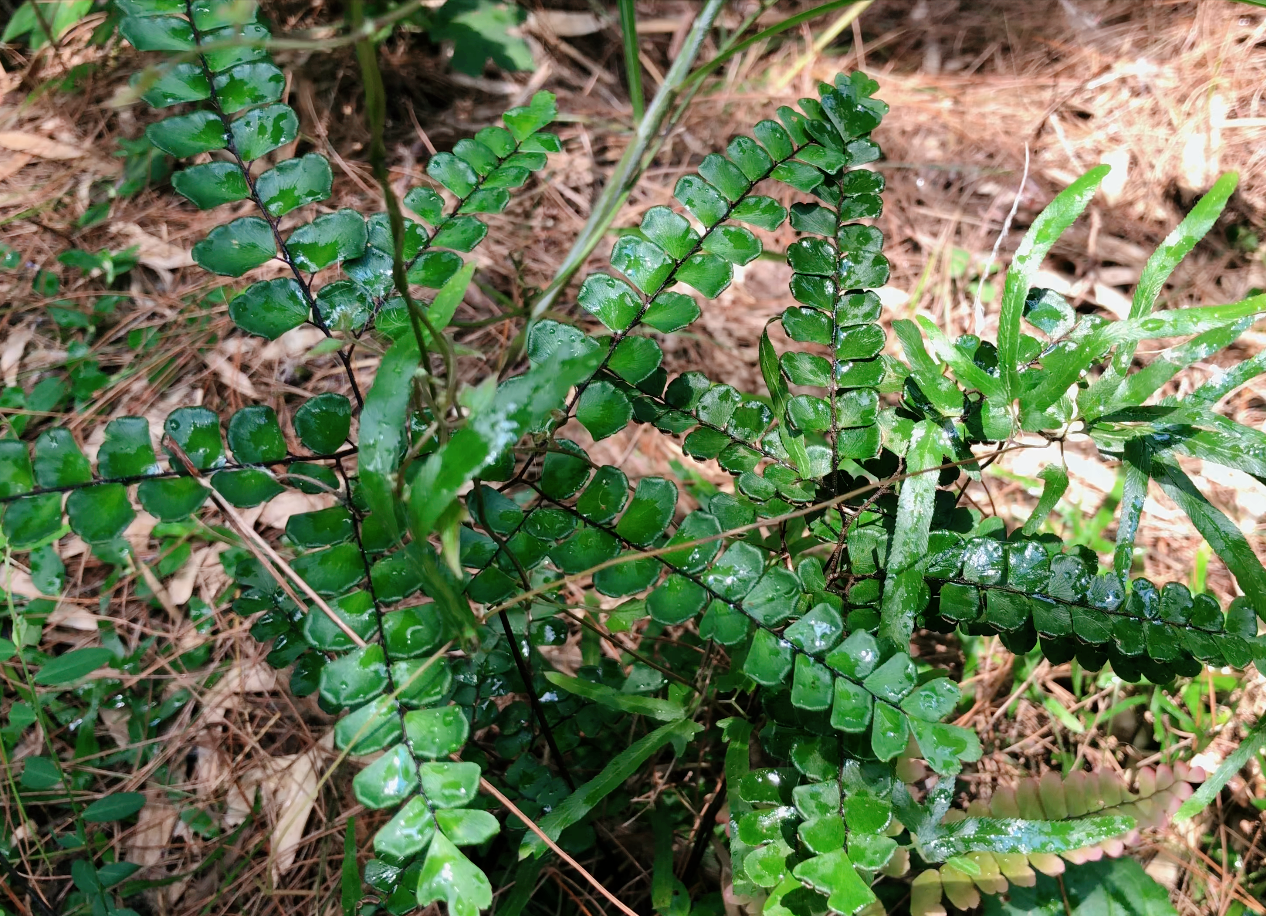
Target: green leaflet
[519, 405]
[1223, 535]
[1174, 323]
[1045, 231]
[942, 841]
[1055, 483]
[1172, 250]
[583, 800]
[664, 710]
[1212, 787]
[910, 538]
[382, 430]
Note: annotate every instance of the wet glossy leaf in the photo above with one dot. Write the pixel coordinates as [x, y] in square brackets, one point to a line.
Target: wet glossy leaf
[768, 660]
[255, 436]
[99, 513]
[233, 249]
[438, 732]
[354, 679]
[294, 183]
[211, 184]
[449, 876]
[337, 236]
[188, 135]
[603, 410]
[388, 781]
[370, 728]
[262, 130]
[269, 308]
[833, 874]
[406, 834]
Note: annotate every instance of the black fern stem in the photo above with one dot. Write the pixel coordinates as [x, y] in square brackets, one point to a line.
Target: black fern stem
[525, 671]
[282, 251]
[162, 475]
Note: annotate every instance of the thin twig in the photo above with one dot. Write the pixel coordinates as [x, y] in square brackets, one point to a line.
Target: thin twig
[268, 557]
[554, 847]
[978, 313]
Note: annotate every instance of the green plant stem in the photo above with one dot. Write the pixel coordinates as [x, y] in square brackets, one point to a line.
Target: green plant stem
[376, 114]
[789, 23]
[632, 66]
[627, 170]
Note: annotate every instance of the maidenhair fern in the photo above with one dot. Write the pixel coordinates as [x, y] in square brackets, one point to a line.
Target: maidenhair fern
[794, 595]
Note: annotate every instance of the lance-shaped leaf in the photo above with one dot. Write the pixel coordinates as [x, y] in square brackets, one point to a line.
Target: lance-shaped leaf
[520, 404]
[1046, 229]
[910, 537]
[1176, 246]
[613, 775]
[1223, 535]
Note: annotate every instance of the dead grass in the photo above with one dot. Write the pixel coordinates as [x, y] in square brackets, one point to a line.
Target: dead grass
[1169, 91]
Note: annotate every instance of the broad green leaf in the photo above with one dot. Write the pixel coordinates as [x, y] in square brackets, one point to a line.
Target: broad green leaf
[613, 775]
[99, 513]
[603, 409]
[172, 85]
[248, 84]
[262, 130]
[211, 184]
[436, 733]
[58, 460]
[188, 135]
[71, 666]
[664, 710]
[406, 834]
[354, 679]
[114, 807]
[1037, 242]
[467, 826]
[337, 236]
[255, 436]
[382, 430]
[157, 33]
[833, 874]
[449, 876]
[323, 424]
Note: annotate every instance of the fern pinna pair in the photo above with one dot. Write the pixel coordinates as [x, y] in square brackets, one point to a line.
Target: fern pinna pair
[790, 601]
